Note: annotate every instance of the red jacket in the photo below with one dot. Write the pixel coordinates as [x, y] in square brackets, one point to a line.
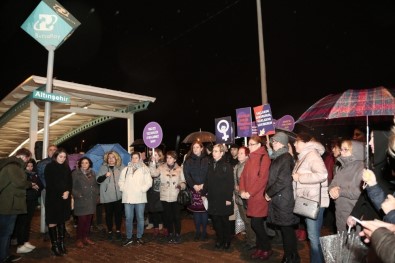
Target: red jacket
[254, 180]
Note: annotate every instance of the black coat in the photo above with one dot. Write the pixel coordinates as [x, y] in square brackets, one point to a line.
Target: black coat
[58, 180]
[218, 187]
[279, 189]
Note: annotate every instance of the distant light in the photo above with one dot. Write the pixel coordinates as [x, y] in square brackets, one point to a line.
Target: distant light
[92, 10]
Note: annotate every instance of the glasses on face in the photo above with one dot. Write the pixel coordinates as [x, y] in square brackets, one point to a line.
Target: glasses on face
[344, 149]
[252, 144]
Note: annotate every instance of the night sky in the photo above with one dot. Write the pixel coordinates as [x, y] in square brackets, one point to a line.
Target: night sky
[200, 59]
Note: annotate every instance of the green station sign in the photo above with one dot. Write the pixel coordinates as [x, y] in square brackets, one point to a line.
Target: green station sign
[42, 95]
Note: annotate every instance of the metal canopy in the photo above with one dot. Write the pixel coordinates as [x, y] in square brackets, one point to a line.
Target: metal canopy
[89, 107]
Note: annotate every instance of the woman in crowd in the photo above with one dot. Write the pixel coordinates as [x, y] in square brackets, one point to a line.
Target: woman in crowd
[218, 189]
[279, 192]
[85, 193]
[195, 171]
[345, 187]
[23, 221]
[250, 239]
[58, 200]
[110, 195]
[134, 182]
[310, 181]
[154, 204]
[171, 181]
[253, 183]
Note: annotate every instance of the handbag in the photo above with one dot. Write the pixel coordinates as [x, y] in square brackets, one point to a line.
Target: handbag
[306, 207]
[184, 197]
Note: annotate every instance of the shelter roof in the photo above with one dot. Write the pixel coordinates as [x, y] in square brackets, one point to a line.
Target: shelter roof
[89, 106]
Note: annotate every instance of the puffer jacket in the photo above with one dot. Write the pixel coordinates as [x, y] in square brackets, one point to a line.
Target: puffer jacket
[349, 179]
[312, 174]
[170, 179]
[135, 184]
[13, 185]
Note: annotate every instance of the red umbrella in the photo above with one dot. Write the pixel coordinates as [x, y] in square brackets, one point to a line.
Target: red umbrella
[351, 107]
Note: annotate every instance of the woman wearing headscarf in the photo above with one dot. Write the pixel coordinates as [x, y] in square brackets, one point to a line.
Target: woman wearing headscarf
[311, 182]
[110, 195]
[279, 193]
[85, 193]
[253, 183]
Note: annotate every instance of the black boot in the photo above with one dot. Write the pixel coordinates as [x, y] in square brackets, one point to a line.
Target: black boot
[61, 235]
[53, 236]
[293, 258]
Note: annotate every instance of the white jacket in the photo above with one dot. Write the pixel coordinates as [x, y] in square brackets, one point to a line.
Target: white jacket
[134, 186]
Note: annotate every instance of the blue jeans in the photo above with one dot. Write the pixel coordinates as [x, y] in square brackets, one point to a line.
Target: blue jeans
[7, 223]
[313, 233]
[129, 213]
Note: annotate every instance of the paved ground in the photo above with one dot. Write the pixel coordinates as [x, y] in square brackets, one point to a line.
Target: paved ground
[152, 251]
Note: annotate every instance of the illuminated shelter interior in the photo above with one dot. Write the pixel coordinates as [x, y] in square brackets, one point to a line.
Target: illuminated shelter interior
[22, 117]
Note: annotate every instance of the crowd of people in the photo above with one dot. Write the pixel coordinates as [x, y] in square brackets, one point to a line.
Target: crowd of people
[259, 182]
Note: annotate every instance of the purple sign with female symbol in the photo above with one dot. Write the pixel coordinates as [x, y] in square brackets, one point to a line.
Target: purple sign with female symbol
[152, 134]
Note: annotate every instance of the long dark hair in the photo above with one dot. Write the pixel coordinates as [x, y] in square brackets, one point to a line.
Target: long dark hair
[59, 151]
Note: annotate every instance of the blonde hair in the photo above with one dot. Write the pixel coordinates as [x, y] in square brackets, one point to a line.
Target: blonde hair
[348, 143]
[116, 155]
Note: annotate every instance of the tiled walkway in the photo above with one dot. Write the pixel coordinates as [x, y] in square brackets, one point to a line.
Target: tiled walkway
[152, 251]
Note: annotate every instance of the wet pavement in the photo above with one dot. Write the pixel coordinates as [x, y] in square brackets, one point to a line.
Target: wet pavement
[154, 250]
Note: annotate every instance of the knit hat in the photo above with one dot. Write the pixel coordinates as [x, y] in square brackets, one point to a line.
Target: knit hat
[280, 137]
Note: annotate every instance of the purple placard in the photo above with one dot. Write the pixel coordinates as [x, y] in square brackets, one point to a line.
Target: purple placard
[243, 120]
[152, 134]
[263, 118]
[286, 122]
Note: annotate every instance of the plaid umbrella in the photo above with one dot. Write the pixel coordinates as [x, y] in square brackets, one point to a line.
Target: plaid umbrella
[352, 107]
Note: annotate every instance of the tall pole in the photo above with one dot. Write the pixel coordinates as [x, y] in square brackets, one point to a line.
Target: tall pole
[48, 89]
[261, 53]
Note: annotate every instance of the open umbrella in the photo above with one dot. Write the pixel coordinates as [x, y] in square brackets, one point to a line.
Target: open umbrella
[73, 160]
[96, 154]
[351, 107]
[202, 136]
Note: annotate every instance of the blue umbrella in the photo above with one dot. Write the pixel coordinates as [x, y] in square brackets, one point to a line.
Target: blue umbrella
[98, 151]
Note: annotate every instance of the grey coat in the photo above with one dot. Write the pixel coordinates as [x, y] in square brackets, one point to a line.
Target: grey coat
[85, 192]
[109, 188]
[348, 178]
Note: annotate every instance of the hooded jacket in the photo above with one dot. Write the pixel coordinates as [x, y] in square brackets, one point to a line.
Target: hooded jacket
[313, 175]
[348, 178]
[13, 185]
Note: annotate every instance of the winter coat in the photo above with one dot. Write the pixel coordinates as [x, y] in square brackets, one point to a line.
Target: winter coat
[377, 196]
[33, 194]
[13, 185]
[135, 184]
[195, 169]
[109, 189]
[85, 192]
[58, 178]
[279, 189]
[41, 169]
[170, 181]
[218, 188]
[348, 178]
[253, 180]
[313, 175]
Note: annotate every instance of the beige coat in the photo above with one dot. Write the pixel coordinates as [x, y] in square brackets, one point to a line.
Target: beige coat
[312, 172]
[170, 180]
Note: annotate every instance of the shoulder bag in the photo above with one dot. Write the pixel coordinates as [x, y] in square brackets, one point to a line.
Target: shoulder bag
[306, 207]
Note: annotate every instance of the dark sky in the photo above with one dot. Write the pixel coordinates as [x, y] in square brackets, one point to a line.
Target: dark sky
[200, 59]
